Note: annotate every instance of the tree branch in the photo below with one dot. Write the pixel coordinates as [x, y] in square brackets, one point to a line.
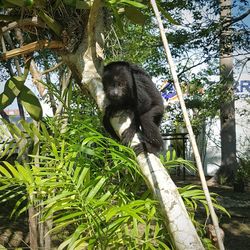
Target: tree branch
[191, 67]
[227, 23]
[31, 47]
[91, 77]
[52, 69]
[36, 77]
[24, 22]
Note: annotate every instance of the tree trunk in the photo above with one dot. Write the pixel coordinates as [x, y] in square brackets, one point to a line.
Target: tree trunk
[227, 109]
[33, 228]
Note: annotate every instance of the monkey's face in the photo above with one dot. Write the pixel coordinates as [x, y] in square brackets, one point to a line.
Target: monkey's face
[117, 90]
[118, 86]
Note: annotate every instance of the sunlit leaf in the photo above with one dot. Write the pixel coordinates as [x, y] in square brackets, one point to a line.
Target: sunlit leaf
[134, 3]
[45, 131]
[94, 190]
[84, 173]
[52, 23]
[7, 146]
[64, 244]
[12, 89]
[80, 229]
[66, 217]
[13, 171]
[26, 127]
[31, 103]
[54, 150]
[25, 172]
[4, 172]
[21, 3]
[36, 131]
[59, 197]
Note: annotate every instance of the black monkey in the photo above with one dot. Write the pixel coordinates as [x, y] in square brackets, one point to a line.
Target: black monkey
[129, 87]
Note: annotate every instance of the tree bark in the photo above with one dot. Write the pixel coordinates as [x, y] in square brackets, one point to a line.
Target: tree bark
[33, 228]
[227, 109]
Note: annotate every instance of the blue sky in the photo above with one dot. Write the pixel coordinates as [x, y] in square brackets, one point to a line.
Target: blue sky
[240, 10]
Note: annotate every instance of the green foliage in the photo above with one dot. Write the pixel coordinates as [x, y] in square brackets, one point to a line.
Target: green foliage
[134, 15]
[193, 195]
[243, 171]
[136, 4]
[19, 3]
[19, 181]
[78, 4]
[135, 11]
[167, 15]
[170, 161]
[14, 87]
[194, 43]
[78, 180]
[31, 103]
[52, 23]
[130, 10]
[89, 186]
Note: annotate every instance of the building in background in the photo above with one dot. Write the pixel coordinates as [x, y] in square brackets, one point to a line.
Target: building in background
[212, 157]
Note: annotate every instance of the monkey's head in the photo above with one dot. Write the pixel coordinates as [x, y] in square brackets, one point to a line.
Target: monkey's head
[118, 84]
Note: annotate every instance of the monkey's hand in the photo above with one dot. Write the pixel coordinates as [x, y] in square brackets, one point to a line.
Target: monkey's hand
[107, 125]
[129, 133]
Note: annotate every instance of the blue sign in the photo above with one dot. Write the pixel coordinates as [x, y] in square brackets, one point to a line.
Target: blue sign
[168, 91]
[243, 87]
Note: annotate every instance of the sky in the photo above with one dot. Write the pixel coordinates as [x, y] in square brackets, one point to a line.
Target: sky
[245, 74]
[237, 11]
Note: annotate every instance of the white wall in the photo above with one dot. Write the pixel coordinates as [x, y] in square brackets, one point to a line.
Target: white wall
[242, 115]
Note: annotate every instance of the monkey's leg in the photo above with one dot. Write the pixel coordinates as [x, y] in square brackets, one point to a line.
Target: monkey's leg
[150, 130]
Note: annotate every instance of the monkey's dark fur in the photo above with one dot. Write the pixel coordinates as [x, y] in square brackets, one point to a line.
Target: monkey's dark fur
[128, 87]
